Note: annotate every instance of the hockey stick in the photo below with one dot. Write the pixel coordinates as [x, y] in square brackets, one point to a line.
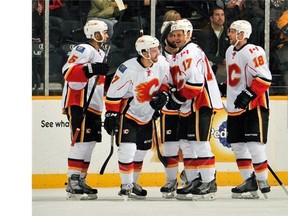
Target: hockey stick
[109, 156]
[162, 159]
[77, 131]
[278, 180]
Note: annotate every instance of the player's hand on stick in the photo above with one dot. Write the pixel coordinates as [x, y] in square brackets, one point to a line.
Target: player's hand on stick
[96, 69]
[159, 100]
[111, 122]
[175, 100]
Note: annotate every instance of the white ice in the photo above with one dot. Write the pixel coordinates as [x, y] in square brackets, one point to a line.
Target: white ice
[52, 202]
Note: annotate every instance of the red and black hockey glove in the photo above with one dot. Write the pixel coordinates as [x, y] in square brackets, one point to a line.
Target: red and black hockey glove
[244, 98]
[111, 122]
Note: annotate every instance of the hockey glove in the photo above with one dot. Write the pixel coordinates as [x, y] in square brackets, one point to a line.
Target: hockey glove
[223, 89]
[244, 98]
[111, 122]
[96, 69]
[159, 100]
[175, 100]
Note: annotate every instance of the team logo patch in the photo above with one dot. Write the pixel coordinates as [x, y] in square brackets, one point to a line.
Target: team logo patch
[80, 49]
[122, 68]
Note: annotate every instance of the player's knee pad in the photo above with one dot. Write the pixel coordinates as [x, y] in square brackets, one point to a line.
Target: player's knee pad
[79, 150]
[139, 155]
[202, 148]
[257, 151]
[187, 148]
[126, 152]
[171, 148]
[240, 150]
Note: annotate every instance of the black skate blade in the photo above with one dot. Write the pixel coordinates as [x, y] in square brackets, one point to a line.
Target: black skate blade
[246, 195]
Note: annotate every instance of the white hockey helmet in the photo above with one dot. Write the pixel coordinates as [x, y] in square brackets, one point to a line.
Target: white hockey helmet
[183, 24]
[242, 26]
[146, 42]
[93, 26]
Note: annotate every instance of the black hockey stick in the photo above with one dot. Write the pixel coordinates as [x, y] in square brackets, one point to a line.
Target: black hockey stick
[278, 180]
[162, 159]
[77, 131]
[109, 156]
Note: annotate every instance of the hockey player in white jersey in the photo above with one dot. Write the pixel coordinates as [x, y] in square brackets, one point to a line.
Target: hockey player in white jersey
[84, 62]
[197, 95]
[138, 88]
[248, 81]
[169, 121]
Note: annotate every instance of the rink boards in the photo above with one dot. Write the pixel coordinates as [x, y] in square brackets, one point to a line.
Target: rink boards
[50, 146]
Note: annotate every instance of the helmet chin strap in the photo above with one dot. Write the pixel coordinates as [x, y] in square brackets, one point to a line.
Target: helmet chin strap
[101, 41]
[149, 57]
[237, 40]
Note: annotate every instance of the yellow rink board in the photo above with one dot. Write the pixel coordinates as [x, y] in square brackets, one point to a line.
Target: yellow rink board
[41, 181]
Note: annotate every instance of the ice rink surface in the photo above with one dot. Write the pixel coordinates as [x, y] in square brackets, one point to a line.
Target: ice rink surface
[52, 202]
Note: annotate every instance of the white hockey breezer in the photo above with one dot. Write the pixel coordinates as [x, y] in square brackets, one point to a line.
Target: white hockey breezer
[169, 189]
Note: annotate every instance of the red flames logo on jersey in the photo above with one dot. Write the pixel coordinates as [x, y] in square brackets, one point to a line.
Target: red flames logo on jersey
[116, 77]
[143, 90]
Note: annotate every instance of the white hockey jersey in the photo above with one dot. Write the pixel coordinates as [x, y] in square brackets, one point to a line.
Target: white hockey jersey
[133, 86]
[199, 82]
[247, 67]
[77, 86]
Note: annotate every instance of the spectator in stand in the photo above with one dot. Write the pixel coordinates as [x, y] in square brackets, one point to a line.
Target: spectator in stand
[278, 56]
[214, 41]
[59, 8]
[250, 10]
[37, 21]
[104, 10]
[171, 15]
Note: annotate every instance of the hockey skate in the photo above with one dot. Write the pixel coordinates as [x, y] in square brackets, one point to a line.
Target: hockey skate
[138, 192]
[169, 190]
[264, 187]
[90, 193]
[73, 189]
[206, 191]
[185, 193]
[247, 190]
[125, 191]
